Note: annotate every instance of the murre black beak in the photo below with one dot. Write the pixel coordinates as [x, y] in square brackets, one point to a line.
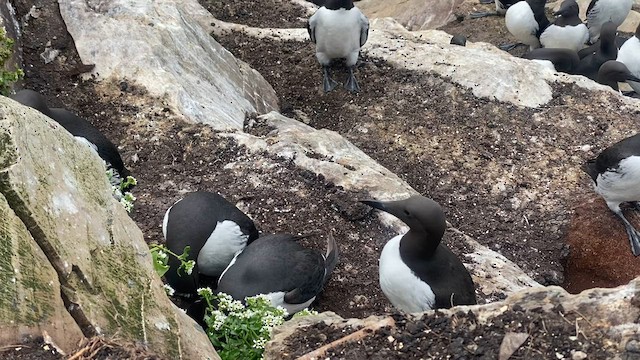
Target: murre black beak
[630, 77]
[375, 204]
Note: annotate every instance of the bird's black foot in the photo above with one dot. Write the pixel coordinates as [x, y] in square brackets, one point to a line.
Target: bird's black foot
[328, 83]
[486, 2]
[352, 85]
[481, 14]
[634, 240]
[634, 235]
[509, 47]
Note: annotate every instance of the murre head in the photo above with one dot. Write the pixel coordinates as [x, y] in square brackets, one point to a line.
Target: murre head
[338, 4]
[568, 8]
[32, 99]
[612, 72]
[608, 37]
[638, 31]
[421, 214]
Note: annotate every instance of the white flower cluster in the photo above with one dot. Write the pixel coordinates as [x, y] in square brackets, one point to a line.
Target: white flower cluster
[260, 342]
[168, 289]
[161, 254]
[204, 292]
[218, 319]
[228, 304]
[270, 321]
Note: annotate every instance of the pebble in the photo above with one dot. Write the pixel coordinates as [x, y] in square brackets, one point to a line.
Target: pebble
[578, 355]
[633, 346]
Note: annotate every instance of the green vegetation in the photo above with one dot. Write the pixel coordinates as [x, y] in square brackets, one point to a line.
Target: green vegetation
[7, 78]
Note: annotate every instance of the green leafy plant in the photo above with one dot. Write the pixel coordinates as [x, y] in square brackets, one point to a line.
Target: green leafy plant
[119, 186]
[7, 77]
[160, 257]
[238, 331]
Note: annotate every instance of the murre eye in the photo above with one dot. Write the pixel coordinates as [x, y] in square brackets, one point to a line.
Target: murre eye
[406, 212]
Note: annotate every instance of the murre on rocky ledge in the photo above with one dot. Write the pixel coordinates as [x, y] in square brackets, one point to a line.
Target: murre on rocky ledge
[215, 229]
[616, 173]
[567, 31]
[629, 55]
[601, 11]
[417, 272]
[277, 266]
[590, 64]
[612, 72]
[563, 60]
[339, 29]
[526, 21]
[80, 128]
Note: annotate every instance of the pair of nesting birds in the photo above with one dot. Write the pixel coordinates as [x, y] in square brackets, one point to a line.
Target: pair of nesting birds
[339, 29]
[232, 258]
[80, 128]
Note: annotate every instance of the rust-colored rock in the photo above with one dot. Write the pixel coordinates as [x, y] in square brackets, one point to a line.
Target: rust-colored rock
[600, 252]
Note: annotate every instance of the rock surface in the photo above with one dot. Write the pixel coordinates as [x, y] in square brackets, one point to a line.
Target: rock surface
[599, 323]
[58, 189]
[165, 46]
[413, 14]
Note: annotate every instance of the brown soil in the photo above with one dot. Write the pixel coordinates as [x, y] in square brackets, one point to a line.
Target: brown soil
[170, 157]
[551, 335]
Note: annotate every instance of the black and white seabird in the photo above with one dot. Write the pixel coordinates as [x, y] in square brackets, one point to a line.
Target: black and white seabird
[563, 60]
[590, 64]
[612, 72]
[526, 21]
[80, 128]
[501, 8]
[567, 31]
[601, 11]
[629, 54]
[417, 272]
[215, 230]
[339, 29]
[616, 173]
[277, 266]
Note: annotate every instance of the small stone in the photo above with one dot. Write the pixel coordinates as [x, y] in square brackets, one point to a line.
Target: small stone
[633, 346]
[578, 355]
[391, 339]
[559, 356]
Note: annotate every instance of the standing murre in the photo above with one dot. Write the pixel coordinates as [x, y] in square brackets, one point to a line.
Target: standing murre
[601, 11]
[526, 21]
[339, 29]
[616, 174]
[277, 266]
[417, 272]
[80, 128]
[612, 72]
[567, 31]
[629, 54]
[590, 64]
[215, 230]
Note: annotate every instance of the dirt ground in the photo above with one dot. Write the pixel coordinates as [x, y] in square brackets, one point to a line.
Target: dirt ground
[170, 157]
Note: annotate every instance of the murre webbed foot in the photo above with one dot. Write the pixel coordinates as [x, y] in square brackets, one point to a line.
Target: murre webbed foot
[634, 235]
[481, 14]
[328, 83]
[352, 84]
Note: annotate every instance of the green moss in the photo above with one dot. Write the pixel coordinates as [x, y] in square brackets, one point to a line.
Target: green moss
[7, 275]
[116, 275]
[7, 151]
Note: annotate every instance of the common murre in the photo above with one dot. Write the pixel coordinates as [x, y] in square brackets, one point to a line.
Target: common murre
[417, 272]
[339, 29]
[213, 228]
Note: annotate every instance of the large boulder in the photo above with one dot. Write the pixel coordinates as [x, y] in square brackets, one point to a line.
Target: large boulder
[165, 46]
[76, 248]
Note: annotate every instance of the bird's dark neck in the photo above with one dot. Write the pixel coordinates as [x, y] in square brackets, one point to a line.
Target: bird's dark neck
[418, 245]
[339, 4]
[608, 47]
[638, 32]
[538, 12]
